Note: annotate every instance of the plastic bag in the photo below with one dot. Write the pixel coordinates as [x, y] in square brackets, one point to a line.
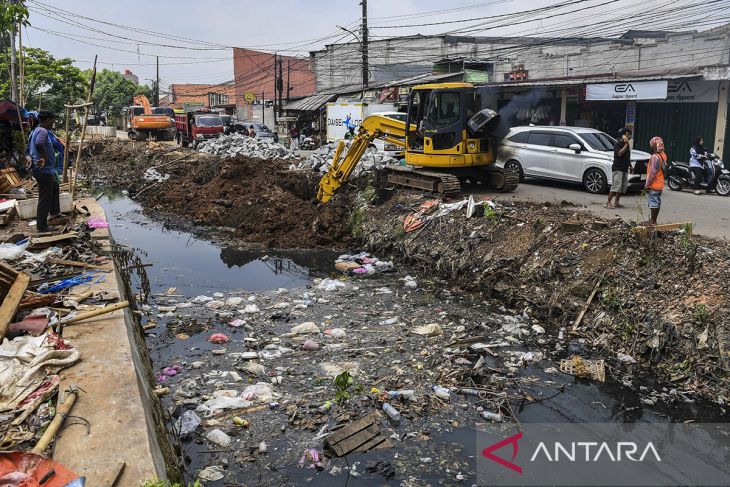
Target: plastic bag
[9, 251]
[187, 422]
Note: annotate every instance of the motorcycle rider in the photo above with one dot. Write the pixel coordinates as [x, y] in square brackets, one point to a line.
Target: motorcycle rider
[697, 161]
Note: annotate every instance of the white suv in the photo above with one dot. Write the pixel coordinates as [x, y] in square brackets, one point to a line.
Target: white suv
[383, 146]
[574, 154]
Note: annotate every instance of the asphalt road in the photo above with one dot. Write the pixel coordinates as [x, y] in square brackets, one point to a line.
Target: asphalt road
[709, 213]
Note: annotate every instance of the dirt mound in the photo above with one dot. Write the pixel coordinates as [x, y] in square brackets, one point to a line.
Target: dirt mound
[262, 200]
[662, 300]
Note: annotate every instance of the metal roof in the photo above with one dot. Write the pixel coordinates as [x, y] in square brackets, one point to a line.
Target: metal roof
[311, 103]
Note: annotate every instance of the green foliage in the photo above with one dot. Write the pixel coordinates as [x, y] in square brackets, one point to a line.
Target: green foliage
[113, 92]
[12, 14]
[48, 82]
[356, 220]
[612, 299]
[628, 330]
[342, 383]
[701, 313]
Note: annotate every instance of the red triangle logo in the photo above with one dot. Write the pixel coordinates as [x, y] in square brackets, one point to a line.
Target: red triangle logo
[487, 452]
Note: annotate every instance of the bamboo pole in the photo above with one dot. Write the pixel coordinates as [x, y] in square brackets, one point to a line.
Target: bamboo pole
[96, 312]
[56, 423]
[83, 129]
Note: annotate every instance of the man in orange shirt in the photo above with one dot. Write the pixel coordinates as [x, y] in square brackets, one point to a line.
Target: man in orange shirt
[656, 170]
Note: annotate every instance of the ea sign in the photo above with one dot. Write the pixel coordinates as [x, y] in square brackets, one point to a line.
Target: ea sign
[634, 90]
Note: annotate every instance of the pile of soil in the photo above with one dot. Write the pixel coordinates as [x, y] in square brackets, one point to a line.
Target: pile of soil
[661, 299]
[263, 201]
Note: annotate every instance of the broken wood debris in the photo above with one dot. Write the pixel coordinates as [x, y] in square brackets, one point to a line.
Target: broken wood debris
[361, 435]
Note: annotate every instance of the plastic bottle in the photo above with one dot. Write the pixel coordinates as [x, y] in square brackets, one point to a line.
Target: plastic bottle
[469, 392]
[561, 334]
[391, 412]
[405, 393]
[496, 417]
[442, 393]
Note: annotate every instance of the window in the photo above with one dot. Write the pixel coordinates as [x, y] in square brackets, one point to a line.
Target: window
[444, 109]
[539, 138]
[563, 141]
[599, 141]
[520, 137]
[208, 121]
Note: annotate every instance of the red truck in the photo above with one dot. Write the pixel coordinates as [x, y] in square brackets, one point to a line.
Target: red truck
[196, 127]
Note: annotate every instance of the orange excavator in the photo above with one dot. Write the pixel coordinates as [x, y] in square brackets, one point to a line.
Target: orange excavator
[144, 124]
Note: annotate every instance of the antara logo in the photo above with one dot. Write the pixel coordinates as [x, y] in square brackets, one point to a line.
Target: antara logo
[577, 451]
[624, 88]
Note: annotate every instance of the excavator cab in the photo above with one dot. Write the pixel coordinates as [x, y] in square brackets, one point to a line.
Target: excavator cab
[447, 137]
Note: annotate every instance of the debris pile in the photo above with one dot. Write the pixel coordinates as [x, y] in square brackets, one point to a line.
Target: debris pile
[242, 145]
[256, 201]
[362, 264]
[656, 302]
[321, 160]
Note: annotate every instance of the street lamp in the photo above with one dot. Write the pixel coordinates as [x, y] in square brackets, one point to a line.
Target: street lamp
[362, 48]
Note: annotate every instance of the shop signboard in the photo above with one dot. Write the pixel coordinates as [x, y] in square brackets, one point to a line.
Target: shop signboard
[692, 91]
[627, 90]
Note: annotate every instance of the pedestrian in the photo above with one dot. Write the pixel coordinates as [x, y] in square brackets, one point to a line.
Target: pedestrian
[350, 133]
[294, 137]
[697, 161]
[655, 173]
[251, 131]
[620, 168]
[43, 168]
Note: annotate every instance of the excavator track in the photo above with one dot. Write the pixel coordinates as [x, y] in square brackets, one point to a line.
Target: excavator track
[504, 181]
[436, 182]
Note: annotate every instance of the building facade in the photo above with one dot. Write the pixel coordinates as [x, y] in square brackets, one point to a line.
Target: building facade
[192, 95]
[130, 76]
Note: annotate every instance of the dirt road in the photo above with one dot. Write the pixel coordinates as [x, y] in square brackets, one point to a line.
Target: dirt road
[709, 213]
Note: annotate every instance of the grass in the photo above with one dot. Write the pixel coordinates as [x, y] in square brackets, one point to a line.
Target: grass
[701, 313]
[612, 299]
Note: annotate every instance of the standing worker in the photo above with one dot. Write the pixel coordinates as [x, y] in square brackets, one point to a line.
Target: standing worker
[43, 167]
[655, 173]
[620, 168]
[294, 137]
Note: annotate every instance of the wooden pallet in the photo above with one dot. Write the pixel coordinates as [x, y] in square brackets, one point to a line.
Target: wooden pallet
[9, 179]
[12, 288]
[359, 436]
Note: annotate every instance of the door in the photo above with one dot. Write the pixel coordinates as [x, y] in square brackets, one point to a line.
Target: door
[444, 124]
[563, 162]
[536, 152]
[677, 123]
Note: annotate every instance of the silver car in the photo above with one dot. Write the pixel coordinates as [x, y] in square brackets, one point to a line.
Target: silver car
[573, 154]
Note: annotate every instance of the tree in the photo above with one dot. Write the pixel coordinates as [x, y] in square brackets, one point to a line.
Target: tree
[12, 13]
[48, 83]
[113, 92]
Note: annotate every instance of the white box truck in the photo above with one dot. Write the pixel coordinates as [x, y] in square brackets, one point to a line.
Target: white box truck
[341, 116]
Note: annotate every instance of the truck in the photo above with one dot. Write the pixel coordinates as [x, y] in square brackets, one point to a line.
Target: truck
[142, 123]
[196, 127]
[343, 116]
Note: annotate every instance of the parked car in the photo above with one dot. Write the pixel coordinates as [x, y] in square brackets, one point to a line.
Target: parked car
[227, 123]
[387, 147]
[262, 131]
[574, 154]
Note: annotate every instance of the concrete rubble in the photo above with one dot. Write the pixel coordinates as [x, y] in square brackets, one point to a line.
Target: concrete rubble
[321, 160]
[238, 144]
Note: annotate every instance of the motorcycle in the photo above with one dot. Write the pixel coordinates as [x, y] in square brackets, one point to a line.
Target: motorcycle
[309, 143]
[681, 177]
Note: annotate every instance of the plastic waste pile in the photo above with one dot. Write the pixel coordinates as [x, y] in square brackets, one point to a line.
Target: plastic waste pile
[238, 144]
[321, 160]
[362, 264]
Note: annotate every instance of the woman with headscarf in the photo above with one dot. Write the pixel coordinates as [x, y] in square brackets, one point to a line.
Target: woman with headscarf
[655, 172]
[697, 159]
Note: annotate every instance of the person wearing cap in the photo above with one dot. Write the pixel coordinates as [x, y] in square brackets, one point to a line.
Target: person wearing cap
[43, 168]
[620, 168]
[655, 173]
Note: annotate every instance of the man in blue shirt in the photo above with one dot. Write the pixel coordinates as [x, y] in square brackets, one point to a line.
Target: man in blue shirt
[43, 168]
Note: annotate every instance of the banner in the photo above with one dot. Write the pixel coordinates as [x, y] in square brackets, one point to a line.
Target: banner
[695, 91]
[627, 90]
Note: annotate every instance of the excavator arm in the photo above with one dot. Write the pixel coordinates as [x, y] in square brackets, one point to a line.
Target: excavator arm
[144, 102]
[373, 127]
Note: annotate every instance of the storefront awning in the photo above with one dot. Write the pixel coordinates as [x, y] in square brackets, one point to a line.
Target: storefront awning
[564, 83]
[311, 103]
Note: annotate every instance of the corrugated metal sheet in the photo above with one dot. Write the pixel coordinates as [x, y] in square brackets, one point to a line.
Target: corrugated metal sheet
[311, 103]
[575, 82]
[677, 123]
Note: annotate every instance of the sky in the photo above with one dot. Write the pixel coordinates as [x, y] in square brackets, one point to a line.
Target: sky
[193, 38]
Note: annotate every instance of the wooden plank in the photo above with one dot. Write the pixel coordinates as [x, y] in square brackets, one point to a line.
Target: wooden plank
[588, 301]
[42, 241]
[361, 435]
[11, 302]
[664, 227]
[75, 263]
[111, 477]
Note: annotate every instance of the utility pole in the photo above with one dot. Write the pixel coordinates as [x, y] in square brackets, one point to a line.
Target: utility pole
[157, 84]
[13, 68]
[288, 77]
[365, 68]
[263, 109]
[280, 87]
[276, 82]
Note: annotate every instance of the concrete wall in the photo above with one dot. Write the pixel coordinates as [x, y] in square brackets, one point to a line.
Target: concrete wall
[338, 64]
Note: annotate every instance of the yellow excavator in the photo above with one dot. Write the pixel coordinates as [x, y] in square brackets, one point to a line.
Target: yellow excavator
[446, 137]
